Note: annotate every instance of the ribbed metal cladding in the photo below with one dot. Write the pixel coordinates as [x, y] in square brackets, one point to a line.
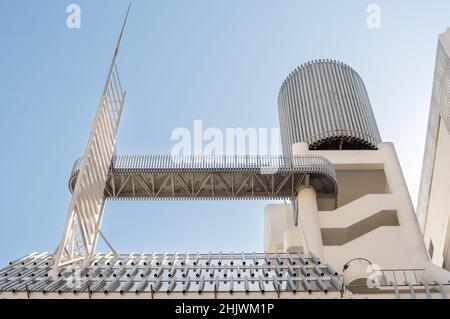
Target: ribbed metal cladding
[325, 104]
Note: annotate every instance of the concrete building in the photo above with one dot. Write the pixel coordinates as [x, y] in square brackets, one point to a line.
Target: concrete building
[348, 228]
[324, 110]
[433, 207]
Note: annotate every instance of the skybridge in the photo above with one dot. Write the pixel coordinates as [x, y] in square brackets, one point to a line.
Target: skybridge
[155, 177]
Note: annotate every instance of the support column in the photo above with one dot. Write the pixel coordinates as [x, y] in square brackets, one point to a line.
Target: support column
[292, 238]
[309, 222]
[308, 213]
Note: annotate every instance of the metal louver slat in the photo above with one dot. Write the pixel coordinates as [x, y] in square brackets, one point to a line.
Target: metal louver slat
[325, 104]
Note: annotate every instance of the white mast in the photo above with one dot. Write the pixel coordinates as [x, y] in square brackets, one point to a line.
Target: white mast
[85, 212]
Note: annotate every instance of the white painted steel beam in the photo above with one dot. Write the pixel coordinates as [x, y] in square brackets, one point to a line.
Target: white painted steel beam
[85, 210]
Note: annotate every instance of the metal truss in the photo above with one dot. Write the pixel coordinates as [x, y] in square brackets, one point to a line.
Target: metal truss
[214, 177]
[85, 210]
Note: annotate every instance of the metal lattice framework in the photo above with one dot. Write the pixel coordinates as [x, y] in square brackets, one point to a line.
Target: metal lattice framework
[214, 177]
[85, 210]
[173, 273]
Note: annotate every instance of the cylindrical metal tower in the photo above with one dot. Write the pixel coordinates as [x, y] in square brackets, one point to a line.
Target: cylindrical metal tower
[325, 104]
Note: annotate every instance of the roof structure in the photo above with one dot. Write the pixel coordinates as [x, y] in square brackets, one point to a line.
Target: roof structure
[154, 275]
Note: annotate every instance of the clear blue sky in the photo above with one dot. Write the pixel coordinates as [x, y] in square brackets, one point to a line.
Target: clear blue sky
[219, 61]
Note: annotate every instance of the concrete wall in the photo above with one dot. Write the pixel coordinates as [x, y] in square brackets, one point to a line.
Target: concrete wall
[354, 184]
[375, 218]
[277, 219]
